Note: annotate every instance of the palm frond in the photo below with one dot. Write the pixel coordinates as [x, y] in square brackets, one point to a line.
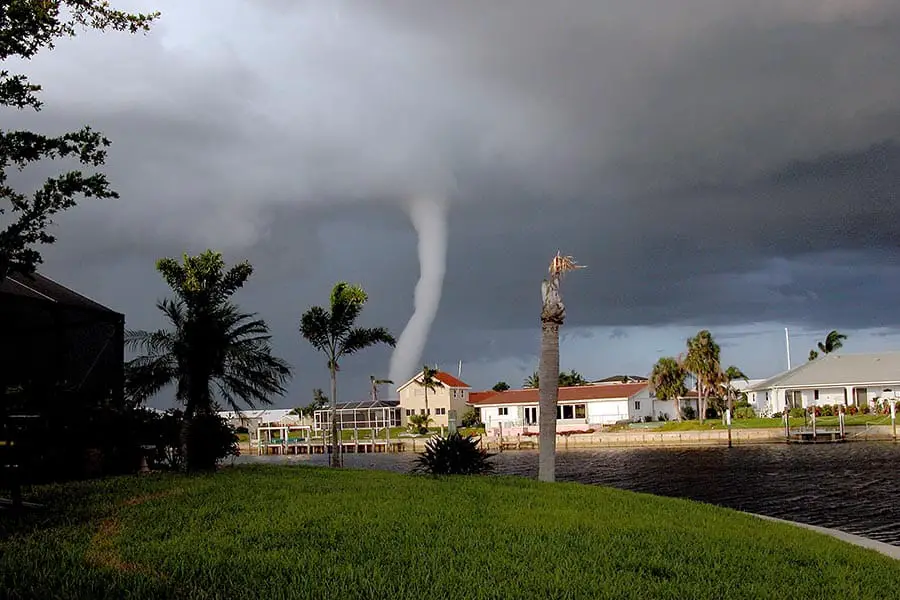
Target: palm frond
[347, 302]
[315, 327]
[145, 376]
[360, 338]
[154, 343]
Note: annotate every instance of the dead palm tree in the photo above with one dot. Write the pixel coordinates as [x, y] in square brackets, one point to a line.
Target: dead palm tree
[667, 381]
[553, 314]
[333, 332]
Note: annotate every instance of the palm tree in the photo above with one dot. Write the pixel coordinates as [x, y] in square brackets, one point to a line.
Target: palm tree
[212, 352]
[553, 314]
[375, 383]
[571, 378]
[333, 332]
[532, 381]
[667, 380]
[813, 355]
[702, 360]
[732, 373]
[834, 341]
[429, 381]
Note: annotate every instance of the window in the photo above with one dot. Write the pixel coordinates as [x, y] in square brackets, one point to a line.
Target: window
[571, 411]
[580, 411]
[409, 412]
[421, 411]
[637, 405]
[440, 411]
[503, 411]
[816, 394]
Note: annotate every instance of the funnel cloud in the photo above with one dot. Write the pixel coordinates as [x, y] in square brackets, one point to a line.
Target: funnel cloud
[429, 218]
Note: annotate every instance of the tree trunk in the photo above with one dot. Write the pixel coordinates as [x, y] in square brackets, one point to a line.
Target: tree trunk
[548, 384]
[336, 458]
[730, 417]
[185, 435]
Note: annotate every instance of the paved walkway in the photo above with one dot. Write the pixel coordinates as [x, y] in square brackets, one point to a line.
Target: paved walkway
[858, 540]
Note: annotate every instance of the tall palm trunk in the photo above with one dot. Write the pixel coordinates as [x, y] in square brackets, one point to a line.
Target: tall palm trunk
[427, 414]
[548, 384]
[336, 458]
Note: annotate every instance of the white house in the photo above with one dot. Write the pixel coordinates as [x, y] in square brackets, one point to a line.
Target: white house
[579, 407]
[252, 419]
[753, 397]
[831, 379]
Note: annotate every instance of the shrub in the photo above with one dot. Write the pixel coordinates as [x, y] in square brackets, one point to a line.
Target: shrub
[827, 411]
[744, 412]
[711, 413]
[453, 455]
[689, 413]
[742, 403]
[647, 418]
[797, 412]
[814, 410]
[471, 418]
[663, 417]
[210, 440]
[864, 409]
[852, 409]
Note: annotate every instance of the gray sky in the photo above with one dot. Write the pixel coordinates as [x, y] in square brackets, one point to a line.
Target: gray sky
[729, 165]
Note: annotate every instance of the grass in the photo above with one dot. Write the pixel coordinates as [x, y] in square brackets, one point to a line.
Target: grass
[764, 423]
[272, 532]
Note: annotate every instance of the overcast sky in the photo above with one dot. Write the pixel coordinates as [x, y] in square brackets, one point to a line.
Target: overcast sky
[723, 165]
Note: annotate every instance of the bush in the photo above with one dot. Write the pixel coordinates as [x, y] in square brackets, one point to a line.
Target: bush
[210, 439]
[663, 417]
[797, 412]
[827, 411]
[864, 409]
[744, 412]
[647, 418]
[711, 413]
[742, 402]
[689, 413]
[471, 418]
[453, 455]
[852, 409]
[814, 410]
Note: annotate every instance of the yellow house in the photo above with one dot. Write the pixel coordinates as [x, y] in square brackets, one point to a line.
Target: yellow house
[449, 394]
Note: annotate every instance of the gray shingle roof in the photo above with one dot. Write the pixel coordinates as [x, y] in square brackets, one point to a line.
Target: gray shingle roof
[37, 287]
[835, 370]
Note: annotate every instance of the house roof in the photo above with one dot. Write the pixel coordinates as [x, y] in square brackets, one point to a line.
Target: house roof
[566, 394]
[442, 376]
[270, 415]
[838, 370]
[621, 379]
[38, 287]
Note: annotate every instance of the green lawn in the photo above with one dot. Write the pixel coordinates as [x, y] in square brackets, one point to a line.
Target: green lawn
[762, 423]
[302, 532]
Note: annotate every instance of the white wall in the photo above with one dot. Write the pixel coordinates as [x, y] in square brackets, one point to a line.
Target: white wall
[646, 405]
[607, 411]
[491, 417]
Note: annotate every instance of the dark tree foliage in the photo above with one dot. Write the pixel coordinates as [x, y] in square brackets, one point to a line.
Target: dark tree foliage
[453, 455]
[27, 27]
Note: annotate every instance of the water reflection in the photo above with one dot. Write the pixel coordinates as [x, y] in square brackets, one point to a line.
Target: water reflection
[853, 487]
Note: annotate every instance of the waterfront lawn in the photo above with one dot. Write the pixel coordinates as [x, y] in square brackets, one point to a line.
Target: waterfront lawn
[766, 422]
[263, 531]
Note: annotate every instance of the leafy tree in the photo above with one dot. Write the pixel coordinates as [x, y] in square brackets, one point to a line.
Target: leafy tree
[702, 360]
[212, 352]
[730, 375]
[667, 379]
[429, 381]
[26, 28]
[453, 455]
[333, 332]
[500, 386]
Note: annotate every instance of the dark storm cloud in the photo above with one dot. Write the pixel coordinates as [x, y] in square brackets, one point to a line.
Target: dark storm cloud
[710, 162]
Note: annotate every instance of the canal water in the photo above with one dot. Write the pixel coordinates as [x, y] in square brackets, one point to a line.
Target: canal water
[854, 487]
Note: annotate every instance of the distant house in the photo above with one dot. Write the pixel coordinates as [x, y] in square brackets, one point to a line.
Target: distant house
[57, 342]
[845, 379]
[578, 407]
[253, 418]
[363, 414]
[449, 394]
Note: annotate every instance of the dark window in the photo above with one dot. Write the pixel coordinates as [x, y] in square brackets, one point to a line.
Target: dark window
[580, 412]
[503, 411]
[816, 394]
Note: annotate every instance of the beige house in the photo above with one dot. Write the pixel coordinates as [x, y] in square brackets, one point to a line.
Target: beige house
[449, 394]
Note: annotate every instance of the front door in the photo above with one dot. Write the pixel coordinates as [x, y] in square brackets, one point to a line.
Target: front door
[531, 415]
[862, 397]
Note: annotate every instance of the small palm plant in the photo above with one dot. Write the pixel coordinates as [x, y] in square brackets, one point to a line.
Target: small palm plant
[453, 455]
[419, 423]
